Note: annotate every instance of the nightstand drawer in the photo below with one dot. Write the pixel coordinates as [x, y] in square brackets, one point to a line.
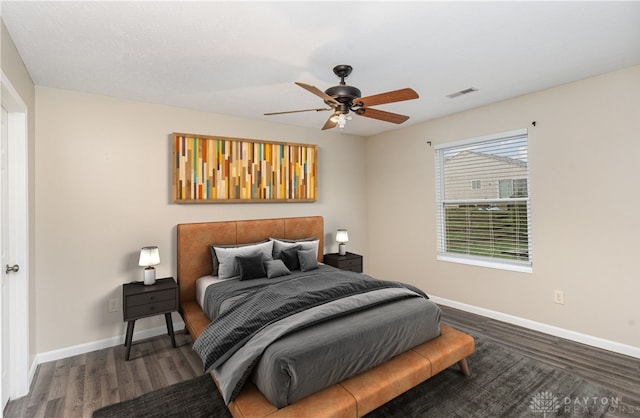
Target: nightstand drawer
[351, 264]
[349, 261]
[151, 308]
[356, 268]
[150, 297]
[139, 300]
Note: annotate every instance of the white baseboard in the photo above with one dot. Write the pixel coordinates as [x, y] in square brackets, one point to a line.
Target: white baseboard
[598, 342]
[97, 345]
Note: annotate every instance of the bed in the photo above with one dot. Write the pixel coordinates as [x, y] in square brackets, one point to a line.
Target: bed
[355, 395]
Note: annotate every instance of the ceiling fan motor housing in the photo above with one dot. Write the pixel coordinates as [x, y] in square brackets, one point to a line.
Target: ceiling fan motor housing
[344, 93]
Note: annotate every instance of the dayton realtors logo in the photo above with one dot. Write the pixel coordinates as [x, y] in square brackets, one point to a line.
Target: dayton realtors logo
[548, 403]
[545, 403]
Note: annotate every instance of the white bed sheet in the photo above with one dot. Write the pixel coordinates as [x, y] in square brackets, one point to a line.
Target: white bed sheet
[201, 287]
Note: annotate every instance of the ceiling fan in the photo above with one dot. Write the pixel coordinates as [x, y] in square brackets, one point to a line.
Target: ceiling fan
[343, 99]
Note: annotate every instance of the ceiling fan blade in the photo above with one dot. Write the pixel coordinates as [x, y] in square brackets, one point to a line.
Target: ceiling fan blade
[324, 96]
[388, 97]
[297, 111]
[381, 115]
[330, 123]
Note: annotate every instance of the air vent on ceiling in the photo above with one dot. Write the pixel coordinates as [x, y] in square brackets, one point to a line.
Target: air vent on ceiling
[462, 92]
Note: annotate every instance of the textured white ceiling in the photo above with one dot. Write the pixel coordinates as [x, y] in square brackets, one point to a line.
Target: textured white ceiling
[242, 58]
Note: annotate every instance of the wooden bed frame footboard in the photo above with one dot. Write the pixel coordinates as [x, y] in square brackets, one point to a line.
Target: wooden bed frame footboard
[353, 397]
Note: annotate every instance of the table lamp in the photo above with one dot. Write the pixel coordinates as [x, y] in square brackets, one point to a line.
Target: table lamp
[149, 257]
[342, 238]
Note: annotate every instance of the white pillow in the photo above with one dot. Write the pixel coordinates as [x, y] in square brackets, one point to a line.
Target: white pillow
[228, 267]
[305, 244]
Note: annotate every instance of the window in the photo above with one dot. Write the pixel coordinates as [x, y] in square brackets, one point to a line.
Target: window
[483, 205]
[512, 188]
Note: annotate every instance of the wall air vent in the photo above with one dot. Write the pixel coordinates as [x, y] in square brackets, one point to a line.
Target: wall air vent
[462, 92]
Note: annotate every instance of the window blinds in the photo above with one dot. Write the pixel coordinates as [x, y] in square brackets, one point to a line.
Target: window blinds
[483, 205]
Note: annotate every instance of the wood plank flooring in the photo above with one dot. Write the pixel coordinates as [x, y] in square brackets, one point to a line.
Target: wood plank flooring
[76, 386]
[616, 372]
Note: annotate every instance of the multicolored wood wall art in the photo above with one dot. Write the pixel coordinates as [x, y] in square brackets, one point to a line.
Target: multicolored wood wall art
[210, 169]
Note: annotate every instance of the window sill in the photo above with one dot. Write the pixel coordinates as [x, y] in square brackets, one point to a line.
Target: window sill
[484, 262]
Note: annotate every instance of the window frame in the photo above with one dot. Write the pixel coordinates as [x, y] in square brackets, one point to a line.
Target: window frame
[441, 226]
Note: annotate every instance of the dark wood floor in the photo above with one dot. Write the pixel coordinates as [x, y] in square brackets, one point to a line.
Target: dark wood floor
[616, 372]
[76, 386]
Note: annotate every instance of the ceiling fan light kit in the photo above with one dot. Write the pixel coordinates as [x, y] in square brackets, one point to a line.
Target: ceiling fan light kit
[343, 99]
[340, 120]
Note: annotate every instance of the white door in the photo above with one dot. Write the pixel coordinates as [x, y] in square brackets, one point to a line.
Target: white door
[4, 302]
[14, 232]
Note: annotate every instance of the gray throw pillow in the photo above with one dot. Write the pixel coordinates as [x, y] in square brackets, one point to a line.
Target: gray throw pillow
[308, 259]
[276, 268]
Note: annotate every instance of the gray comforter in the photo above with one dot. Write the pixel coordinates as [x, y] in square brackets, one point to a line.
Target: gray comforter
[251, 316]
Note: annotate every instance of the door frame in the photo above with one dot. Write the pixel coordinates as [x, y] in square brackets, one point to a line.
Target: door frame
[18, 286]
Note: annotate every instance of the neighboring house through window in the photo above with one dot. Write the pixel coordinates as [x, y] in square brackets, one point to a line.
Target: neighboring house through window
[483, 212]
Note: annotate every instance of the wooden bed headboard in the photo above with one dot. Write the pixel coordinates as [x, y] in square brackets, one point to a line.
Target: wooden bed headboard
[195, 239]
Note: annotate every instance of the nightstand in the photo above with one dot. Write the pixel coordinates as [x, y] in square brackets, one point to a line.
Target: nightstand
[349, 261]
[141, 301]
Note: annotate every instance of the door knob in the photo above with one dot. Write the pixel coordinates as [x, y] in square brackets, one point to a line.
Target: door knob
[13, 268]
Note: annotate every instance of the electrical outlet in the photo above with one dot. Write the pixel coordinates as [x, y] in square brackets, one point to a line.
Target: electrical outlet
[113, 305]
[558, 297]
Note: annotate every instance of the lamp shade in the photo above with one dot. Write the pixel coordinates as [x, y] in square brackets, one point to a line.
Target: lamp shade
[149, 256]
[342, 236]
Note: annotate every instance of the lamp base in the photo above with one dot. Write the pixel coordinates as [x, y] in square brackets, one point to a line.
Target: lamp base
[342, 249]
[149, 275]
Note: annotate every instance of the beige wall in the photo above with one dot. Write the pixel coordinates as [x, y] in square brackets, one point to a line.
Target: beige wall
[103, 191]
[583, 155]
[15, 71]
